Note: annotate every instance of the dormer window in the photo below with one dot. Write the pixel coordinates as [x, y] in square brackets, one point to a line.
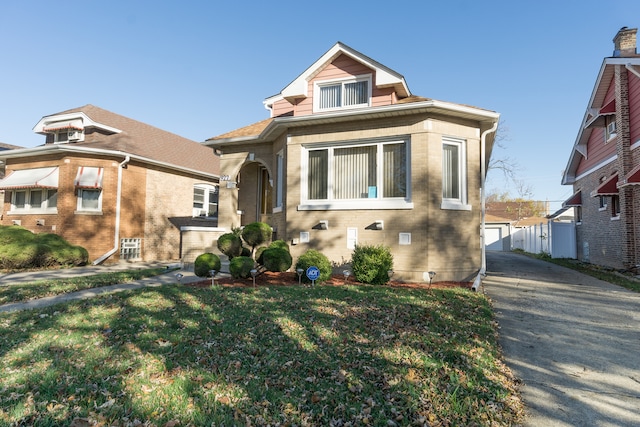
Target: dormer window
[68, 135]
[347, 93]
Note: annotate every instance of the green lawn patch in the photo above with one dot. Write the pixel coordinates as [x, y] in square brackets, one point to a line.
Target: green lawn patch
[328, 355]
[10, 293]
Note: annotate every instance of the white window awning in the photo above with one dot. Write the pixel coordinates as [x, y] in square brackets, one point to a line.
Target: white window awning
[31, 178]
[69, 124]
[89, 177]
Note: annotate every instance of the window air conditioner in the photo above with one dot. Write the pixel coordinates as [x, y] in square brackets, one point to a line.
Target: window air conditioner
[611, 128]
[199, 212]
[74, 135]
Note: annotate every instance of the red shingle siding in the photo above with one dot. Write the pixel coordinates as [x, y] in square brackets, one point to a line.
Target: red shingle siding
[341, 67]
[634, 107]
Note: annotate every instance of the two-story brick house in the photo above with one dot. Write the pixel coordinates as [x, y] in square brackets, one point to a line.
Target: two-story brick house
[349, 156]
[604, 165]
[118, 187]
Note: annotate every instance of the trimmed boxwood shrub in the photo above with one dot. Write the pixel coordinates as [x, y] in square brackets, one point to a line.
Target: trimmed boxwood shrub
[276, 259]
[20, 248]
[205, 263]
[240, 267]
[230, 244]
[256, 233]
[280, 244]
[315, 258]
[370, 264]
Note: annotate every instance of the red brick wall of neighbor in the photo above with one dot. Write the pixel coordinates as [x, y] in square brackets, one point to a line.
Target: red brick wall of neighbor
[603, 235]
[93, 231]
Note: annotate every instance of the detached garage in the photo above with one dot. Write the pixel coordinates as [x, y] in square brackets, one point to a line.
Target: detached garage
[497, 234]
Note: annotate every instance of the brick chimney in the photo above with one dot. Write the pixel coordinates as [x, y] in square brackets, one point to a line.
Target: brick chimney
[625, 42]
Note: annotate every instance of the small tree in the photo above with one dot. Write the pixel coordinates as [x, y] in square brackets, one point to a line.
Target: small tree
[230, 244]
[255, 234]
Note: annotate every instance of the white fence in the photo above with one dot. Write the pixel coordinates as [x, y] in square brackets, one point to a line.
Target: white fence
[555, 238]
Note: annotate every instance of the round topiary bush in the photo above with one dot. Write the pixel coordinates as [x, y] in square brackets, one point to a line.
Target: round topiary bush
[256, 233]
[259, 252]
[280, 244]
[230, 244]
[370, 264]
[205, 263]
[276, 259]
[317, 259]
[240, 267]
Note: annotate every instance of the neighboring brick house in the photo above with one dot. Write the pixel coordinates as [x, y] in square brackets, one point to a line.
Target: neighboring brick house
[604, 165]
[118, 187]
[349, 156]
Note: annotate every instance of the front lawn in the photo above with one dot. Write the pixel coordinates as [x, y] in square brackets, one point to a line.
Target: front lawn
[20, 292]
[328, 355]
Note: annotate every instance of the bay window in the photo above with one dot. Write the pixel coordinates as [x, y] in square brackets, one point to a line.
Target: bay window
[454, 177]
[357, 175]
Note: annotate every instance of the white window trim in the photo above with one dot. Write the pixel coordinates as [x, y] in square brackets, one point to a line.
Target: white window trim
[279, 182]
[343, 81]
[348, 204]
[460, 204]
[28, 209]
[81, 209]
[207, 188]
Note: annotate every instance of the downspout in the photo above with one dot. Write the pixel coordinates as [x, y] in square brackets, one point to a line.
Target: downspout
[116, 237]
[483, 177]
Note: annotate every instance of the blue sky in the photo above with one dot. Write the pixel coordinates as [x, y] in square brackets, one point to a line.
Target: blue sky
[202, 68]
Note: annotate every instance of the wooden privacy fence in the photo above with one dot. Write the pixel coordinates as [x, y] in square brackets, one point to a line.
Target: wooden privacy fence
[557, 239]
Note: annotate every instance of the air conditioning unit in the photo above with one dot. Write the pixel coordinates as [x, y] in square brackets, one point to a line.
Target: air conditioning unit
[611, 129]
[74, 135]
[199, 212]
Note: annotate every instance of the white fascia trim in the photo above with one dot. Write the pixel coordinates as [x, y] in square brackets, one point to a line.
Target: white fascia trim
[86, 121]
[98, 152]
[596, 167]
[458, 110]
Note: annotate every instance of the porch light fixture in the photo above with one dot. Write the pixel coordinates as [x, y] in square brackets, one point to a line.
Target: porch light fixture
[379, 224]
[322, 225]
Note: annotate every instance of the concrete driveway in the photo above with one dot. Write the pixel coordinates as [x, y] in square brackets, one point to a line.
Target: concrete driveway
[573, 340]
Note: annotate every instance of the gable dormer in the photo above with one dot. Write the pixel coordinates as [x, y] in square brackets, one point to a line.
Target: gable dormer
[342, 79]
[69, 127]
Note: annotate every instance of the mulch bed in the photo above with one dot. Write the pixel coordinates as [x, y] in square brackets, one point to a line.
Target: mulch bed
[269, 278]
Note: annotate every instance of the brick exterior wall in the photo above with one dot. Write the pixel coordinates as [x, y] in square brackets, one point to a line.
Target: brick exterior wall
[445, 241]
[150, 197]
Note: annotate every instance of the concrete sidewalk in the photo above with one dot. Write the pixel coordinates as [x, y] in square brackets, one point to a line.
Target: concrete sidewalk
[33, 276]
[572, 339]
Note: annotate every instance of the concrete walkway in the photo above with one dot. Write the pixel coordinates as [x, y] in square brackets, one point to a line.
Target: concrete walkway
[32, 276]
[573, 340]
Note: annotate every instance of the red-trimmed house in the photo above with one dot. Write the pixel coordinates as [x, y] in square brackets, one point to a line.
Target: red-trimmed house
[350, 156]
[604, 165]
[122, 189]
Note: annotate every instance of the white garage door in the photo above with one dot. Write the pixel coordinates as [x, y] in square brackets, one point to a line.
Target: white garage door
[493, 238]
